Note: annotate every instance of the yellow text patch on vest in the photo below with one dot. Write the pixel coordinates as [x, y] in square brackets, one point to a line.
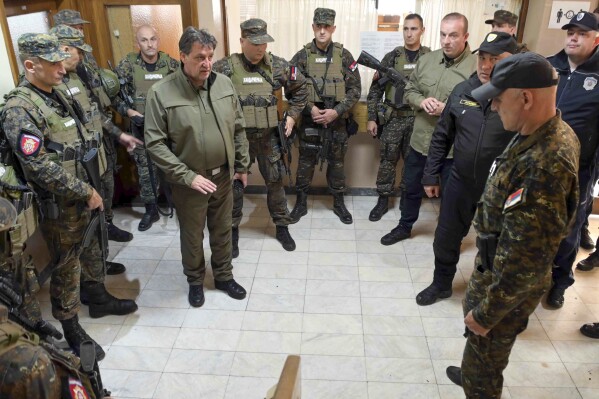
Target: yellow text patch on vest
[469, 103]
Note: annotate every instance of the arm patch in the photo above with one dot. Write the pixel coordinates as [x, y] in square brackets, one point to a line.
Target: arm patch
[29, 144]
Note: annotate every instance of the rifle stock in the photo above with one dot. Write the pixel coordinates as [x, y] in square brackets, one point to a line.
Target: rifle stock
[285, 147]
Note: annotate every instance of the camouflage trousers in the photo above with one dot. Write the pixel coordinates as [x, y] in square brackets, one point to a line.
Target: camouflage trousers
[485, 358]
[108, 178]
[395, 143]
[146, 191]
[21, 271]
[308, 158]
[63, 237]
[264, 147]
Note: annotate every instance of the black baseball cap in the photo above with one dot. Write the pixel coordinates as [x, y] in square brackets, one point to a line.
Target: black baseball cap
[520, 71]
[584, 20]
[496, 43]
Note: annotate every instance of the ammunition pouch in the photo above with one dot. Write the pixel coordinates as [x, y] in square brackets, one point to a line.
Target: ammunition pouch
[331, 87]
[260, 112]
[351, 126]
[487, 247]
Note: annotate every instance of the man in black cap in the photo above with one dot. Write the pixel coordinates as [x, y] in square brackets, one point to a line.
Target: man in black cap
[578, 99]
[528, 205]
[505, 21]
[477, 136]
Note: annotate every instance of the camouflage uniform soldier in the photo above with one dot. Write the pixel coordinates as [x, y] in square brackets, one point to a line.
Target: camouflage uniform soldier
[140, 71]
[258, 76]
[505, 21]
[395, 117]
[528, 206]
[95, 78]
[34, 116]
[333, 89]
[93, 291]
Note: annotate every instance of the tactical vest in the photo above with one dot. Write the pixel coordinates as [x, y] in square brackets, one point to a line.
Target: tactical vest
[66, 365]
[61, 130]
[92, 117]
[143, 79]
[404, 67]
[258, 103]
[334, 83]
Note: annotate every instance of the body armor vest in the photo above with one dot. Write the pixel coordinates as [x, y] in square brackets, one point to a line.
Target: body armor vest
[258, 103]
[403, 66]
[143, 79]
[61, 130]
[92, 117]
[333, 84]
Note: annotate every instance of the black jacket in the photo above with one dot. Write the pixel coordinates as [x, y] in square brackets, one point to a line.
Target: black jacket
[476, 133]
[578, 99]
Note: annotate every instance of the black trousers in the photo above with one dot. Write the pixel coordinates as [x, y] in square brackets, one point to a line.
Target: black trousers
[458, 206]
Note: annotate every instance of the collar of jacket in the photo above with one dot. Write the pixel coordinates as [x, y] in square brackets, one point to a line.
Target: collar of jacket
[456, 60]
[538, 134]
[207, 84]
[590, 65]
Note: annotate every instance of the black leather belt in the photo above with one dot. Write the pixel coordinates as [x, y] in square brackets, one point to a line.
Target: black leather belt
[215, 171]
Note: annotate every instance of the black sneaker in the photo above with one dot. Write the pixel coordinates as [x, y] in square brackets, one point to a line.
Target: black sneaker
[196, 296]
[586, 241]
[588, 264]
[396, 235]
[285, 238]
[430, 294]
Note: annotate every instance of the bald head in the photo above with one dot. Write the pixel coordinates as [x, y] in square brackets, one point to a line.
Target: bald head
[147, 41]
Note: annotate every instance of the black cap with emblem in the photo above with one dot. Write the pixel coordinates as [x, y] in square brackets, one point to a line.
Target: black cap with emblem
[584, 20]
[496, 43]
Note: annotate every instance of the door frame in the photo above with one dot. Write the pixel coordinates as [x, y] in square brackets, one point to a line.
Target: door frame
[98, 33]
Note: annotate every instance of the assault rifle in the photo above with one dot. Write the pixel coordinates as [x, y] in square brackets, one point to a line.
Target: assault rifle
[97, 224]
[285, 147]
[325, 133]
[397, 79]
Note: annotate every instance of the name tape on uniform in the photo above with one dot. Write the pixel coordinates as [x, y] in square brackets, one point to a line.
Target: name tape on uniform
[249, 80]
[153, 76]
[409, 66]
[74, 90]
[322, 60]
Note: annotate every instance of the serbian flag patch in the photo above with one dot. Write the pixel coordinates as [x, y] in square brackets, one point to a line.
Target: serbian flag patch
[76, 389]
[293, 73]
[514, 199]
[29, 144]
[353, 66]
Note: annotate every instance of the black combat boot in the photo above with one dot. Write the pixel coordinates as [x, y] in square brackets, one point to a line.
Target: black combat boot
[301, 207]
[381, 207]
[285, 238]
[101, 303]
[430, 294]
[114, 268]
[340, 210]
[116, 234]
[586, 241]
[75, 335]
[149, 217]
[454, 374]
[234, 242]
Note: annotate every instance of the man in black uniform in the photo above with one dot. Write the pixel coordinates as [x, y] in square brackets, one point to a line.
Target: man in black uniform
[478, 136]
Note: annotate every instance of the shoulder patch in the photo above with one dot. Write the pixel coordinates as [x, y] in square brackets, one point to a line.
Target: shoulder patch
[353, 66]
[515, 198]
[76, 389]
[29, 144]
[292, 73]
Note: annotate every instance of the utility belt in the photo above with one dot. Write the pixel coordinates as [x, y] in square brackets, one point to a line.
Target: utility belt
[260, 112]
[385, 112]
[53, 208]
[255, 134]
[487, 248]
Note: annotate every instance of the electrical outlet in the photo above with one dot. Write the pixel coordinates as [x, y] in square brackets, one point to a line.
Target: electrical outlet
[116, 33]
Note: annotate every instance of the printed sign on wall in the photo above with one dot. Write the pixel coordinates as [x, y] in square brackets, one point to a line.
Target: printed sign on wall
[563, 11]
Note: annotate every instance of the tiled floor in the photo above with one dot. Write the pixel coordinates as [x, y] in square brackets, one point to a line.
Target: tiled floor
[342, 301]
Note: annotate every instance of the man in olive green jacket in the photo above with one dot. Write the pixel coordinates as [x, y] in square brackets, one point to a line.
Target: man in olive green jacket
[433, 79]
[195, 133]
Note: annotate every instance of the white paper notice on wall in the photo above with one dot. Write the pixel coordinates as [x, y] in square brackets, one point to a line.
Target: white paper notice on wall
[493, 5]
[563, 11]
[378, 44]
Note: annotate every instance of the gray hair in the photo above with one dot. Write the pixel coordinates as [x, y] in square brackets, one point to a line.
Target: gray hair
[192, 35]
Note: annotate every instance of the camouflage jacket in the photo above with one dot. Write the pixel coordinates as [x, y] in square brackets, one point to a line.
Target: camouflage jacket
[529, 204]
[20, 120]
[353, 84]
[376, 92]
[295, 86]
[125, 71]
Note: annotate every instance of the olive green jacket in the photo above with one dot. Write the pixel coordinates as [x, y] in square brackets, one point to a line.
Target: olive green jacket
[434, 77]
[174, 130]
